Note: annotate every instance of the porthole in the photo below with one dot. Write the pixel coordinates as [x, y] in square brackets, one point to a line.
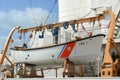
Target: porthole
[52, 56]
[28, 55]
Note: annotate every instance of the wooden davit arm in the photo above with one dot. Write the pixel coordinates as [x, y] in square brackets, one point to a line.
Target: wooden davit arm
[4, 50]
[91, 19]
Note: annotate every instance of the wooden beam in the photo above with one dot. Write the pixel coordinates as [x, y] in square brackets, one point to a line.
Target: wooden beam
[81, 71]
[5, 48]
[100, 17]
[9, 61]
[56, 72]
[108, 67]
[42, 73]
[24, 70]
[116, 48]
[64, 68]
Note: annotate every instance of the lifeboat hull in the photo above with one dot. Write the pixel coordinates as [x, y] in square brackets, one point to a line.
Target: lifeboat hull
[79, 51]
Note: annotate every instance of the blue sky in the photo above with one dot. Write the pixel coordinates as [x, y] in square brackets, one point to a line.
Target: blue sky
[7, 5]
[19, 13]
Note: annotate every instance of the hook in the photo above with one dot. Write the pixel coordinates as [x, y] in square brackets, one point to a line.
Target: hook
[99, 24]
[20, 36]
[82, 26]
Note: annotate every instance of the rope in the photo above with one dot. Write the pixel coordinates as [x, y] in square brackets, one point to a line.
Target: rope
[93, 24]
[50, 11]
[116, 6]
[73, 26]
[42, 36]
[86, 14]
[33, 39]
[82, 26]
[34, 19]
[55, 31]
[24, 37]
[80, 17]
[40, 29]
[64, 24]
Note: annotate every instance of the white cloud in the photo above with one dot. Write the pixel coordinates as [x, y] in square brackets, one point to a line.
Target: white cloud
[2, 42]
[23, 18]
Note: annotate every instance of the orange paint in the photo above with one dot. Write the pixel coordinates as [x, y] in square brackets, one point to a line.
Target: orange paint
[68, 49]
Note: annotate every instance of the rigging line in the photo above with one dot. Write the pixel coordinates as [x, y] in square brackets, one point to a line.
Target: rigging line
[116, 6]
[50, 11]
[47, 71]
[41, 25]
[68, 10]
[24, 37]
[54, 16]
[86, 14]
[33, 39]
[28, 41]
[80, 17]
[34, 19]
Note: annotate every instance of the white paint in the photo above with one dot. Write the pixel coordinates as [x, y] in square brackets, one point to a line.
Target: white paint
[85, 50]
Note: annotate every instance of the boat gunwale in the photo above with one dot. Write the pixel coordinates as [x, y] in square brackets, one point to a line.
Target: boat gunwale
[54, 45]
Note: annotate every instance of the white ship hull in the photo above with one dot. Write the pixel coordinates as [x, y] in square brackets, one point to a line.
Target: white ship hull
[84, 50]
